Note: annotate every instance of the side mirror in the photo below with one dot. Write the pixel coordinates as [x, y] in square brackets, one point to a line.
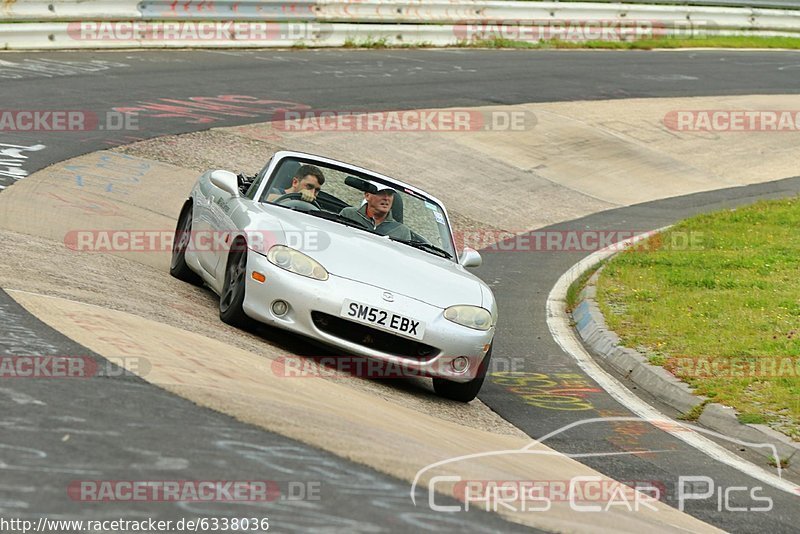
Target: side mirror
[226, 181]
[470, 258]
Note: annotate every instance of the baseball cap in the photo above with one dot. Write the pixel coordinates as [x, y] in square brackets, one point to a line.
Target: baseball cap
[381, 187]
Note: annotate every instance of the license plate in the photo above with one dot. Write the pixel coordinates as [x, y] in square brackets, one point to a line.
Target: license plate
[383, 319]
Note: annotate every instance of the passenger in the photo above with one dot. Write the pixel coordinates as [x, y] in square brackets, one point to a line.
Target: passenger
[307, 181]
[376, 213]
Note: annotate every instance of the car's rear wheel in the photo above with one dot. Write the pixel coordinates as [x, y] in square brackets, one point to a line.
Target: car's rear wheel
[183, 235]
[463, 391]
[232, 297]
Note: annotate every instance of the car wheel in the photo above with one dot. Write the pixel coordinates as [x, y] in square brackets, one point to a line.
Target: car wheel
[466, 391]
[232, 297]
[183, 234]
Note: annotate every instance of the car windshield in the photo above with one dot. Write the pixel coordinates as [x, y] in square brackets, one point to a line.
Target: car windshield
[413, 219]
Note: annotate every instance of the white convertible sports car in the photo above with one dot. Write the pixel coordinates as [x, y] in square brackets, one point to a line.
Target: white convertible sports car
[349, 257]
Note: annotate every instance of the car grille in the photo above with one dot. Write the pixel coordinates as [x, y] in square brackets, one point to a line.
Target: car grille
[373, 338]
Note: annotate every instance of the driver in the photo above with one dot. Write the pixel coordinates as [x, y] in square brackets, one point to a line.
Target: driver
[307, 181]
[376, 213]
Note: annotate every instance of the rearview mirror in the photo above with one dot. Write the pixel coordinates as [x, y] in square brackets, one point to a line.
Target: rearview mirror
[226, 181]
[470, 258]
[358, 183]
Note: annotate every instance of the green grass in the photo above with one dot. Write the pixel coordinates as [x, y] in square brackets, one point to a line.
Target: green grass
[734, 296]
[382, 42]
[693, 414]
[751, 418]
[575, 288]
[644, 44]
[641, 44]
[367, 42]
[784, 462]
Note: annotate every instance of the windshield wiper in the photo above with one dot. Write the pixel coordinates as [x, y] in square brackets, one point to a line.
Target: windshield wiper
[422, 245]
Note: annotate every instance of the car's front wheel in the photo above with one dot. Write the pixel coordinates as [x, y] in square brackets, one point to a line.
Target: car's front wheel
[183, 236]
[232, 297]
[463, 391]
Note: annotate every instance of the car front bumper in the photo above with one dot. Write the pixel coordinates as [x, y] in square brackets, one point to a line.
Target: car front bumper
[305, 296]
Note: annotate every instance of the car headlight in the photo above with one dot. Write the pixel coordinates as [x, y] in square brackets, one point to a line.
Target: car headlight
[469, 316]
[296, 262]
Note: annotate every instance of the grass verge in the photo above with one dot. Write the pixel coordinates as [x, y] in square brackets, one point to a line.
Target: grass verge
[717, 299]
[554, 44]
[575, 288]
[367, 42]
[645, 44]
[381, 43]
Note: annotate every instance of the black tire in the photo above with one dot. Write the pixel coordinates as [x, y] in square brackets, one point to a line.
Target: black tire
[232, 297]
[183, 233]
[466, 391]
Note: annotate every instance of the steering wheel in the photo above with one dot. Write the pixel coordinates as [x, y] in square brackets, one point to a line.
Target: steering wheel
[295, 196]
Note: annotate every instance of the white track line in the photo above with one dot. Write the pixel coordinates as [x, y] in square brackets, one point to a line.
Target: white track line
[559, 325]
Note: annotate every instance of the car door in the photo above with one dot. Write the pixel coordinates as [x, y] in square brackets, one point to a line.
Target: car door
[222, 208]
[225, 207]
[202, 226]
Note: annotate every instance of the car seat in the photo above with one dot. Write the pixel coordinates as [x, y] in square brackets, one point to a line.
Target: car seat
[283, 180]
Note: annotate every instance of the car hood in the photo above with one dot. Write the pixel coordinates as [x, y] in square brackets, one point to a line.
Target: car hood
[351, 253]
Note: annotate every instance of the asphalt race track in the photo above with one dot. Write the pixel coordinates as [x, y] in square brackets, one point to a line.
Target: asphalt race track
[368, 80]
[85, 438]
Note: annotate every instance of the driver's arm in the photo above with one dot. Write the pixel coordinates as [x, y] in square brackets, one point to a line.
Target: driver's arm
[274, 194]
[396, 230]
[309, 195]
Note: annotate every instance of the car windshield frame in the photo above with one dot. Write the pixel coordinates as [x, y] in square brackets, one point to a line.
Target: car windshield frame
[275, 165]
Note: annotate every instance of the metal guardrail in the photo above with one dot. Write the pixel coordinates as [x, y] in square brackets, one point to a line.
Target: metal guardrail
[424, 11]
[259, 23]
[53, 10]
[229, 9]
[61, 35]
[544, 13]
[417, 11]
